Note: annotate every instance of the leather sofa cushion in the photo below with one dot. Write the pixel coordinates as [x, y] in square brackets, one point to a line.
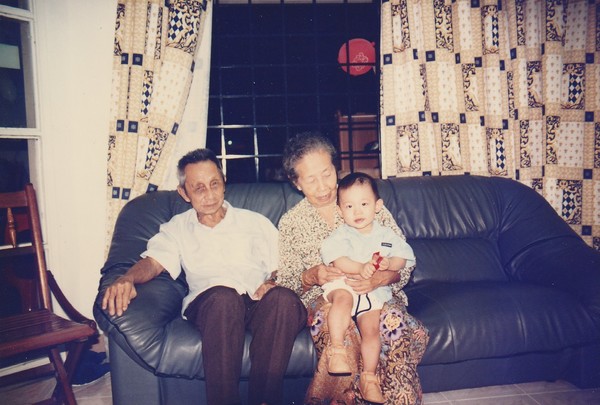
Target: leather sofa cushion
[472, 320]
[456, 260]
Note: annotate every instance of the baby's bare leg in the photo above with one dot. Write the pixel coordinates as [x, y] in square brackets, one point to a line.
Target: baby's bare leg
[368, 325]
[339, 317]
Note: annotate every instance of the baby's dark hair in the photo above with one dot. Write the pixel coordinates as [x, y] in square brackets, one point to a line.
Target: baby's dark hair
[359, 178]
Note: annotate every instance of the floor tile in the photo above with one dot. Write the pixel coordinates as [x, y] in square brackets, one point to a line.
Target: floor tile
[547, 386]
[435, 398]
[583, 397]
[483, 392]
[503, 400]
[99, 388]
[27, 393]
[95, 401]
[535, 393]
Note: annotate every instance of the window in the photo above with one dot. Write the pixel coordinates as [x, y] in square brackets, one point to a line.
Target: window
[18, 115]
[275, 72]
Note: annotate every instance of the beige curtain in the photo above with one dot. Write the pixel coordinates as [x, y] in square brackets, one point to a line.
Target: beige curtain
[155, 49]
[496, 88]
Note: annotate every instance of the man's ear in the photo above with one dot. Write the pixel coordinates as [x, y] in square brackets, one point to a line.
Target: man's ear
[183, 194]
[378, 205]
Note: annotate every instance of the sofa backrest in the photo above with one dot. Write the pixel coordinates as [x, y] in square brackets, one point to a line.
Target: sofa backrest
[462, 228]
[470, 228]
[452, 224]
[140, 219]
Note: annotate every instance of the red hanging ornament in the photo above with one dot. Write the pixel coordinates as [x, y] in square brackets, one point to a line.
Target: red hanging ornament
[357, 56]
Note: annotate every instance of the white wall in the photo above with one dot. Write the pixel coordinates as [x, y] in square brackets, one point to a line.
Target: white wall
[74, 48]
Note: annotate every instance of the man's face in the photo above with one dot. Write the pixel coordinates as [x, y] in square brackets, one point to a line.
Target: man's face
[204, 188]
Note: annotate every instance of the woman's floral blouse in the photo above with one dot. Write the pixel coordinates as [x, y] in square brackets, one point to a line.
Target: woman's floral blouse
[301, 232]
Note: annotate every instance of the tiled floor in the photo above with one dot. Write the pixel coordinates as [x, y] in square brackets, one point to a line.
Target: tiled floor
[537, 393]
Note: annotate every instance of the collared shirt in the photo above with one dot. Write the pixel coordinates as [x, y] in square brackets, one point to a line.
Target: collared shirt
[240, 252]
[301, 232]
[349, 242]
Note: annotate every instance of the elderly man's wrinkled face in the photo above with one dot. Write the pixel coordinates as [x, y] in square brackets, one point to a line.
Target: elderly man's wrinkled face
[204, 188]
[317, 178]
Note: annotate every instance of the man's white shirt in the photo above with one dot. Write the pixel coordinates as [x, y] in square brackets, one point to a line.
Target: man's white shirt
[240, 252]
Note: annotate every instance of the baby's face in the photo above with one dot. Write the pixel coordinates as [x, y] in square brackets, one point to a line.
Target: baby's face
[358, 206]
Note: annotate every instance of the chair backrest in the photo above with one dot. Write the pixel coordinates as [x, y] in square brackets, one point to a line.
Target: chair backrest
[28, 243]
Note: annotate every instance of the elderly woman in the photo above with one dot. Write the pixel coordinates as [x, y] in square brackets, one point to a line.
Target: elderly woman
[309, 163]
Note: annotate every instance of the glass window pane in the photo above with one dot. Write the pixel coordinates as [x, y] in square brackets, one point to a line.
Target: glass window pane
[241, 170]
[237, 111]
[236, 81]
[271, 169]
[331, 19]
[302, 109]
[268, 80]
[16, 83]
[271, 140]
[24, 4]
[214, 111]
[14, 165]
[268, 50]
[267, 19]
[300, 50]
[239, 141]
[233, 51]
[270, 110]
[213, 140]
[302, 79]
[292, 80]
[299, 18]
[230, 19]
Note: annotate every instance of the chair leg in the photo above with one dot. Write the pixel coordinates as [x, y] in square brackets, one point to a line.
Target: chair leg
[73, 355]
[63, 385]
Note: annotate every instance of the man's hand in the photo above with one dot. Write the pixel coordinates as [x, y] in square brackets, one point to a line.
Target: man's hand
[118, 295]
[263, 289]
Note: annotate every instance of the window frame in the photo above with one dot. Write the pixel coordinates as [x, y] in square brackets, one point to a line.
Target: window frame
[217, 131]
[33, 133]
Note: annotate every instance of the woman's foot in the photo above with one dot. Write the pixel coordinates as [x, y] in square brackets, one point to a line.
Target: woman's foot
[337, 362]
[370, 389]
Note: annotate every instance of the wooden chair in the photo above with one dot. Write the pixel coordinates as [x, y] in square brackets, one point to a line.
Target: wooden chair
[39, 330]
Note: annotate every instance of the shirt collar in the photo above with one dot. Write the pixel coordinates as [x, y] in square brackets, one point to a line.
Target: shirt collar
[192, 217]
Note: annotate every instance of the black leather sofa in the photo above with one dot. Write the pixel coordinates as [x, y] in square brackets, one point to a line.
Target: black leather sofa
[508, 291]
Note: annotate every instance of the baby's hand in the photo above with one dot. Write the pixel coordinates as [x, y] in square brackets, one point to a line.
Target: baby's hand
[384, 264]
[367, 270]
[376, 259]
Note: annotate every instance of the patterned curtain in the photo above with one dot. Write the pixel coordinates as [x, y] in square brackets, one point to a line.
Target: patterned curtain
[496, 88]
[154, 63]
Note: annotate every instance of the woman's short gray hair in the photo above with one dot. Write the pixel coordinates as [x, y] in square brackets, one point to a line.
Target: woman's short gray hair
[302, 144]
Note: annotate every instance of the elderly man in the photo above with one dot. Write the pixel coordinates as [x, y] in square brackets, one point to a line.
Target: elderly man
[228, 255]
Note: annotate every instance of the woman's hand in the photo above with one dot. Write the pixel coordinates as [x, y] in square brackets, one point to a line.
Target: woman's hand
[319, 275]
[380, 278]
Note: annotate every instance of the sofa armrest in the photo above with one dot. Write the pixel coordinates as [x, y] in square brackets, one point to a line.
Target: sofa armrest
[145, 323]
[566, 263]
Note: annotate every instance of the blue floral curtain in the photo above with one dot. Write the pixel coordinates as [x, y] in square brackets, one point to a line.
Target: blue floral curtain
[496, 88]
[153, 65]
